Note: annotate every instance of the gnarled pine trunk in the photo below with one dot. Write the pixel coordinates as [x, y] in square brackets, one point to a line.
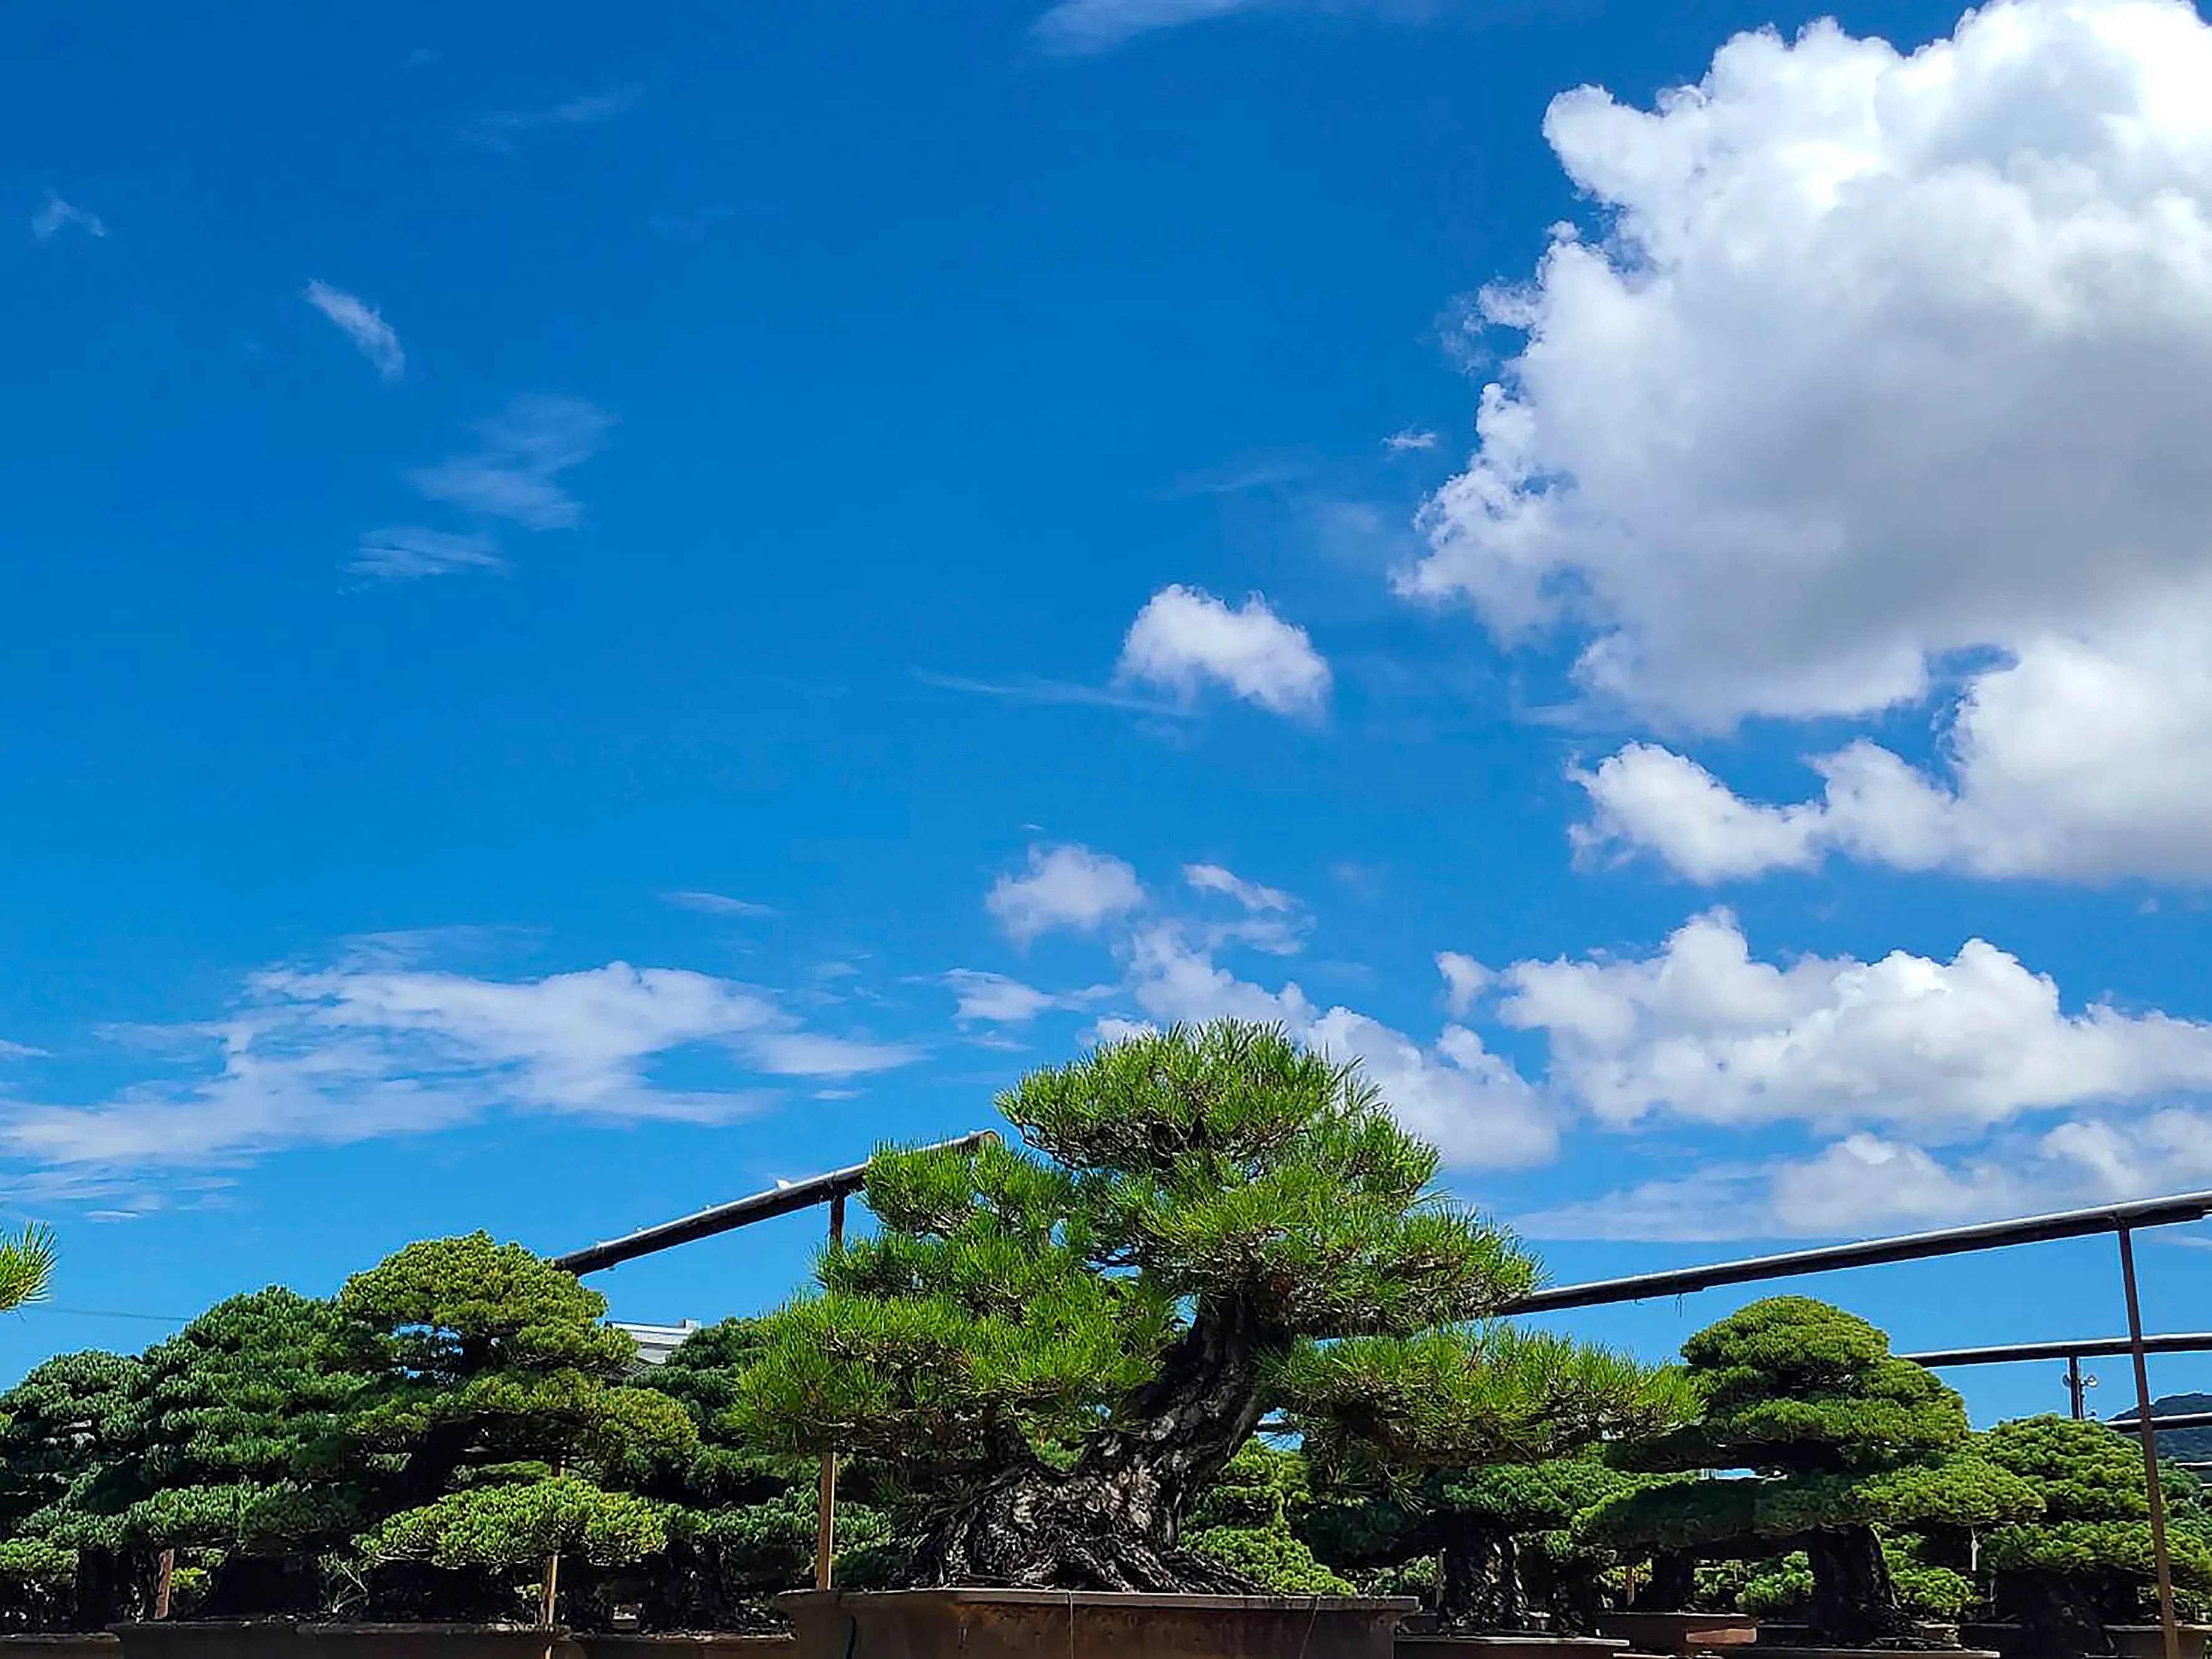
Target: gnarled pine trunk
[1479, 1588]
[2058, 1616]
[1111, 1522]
[1672, 1582]
[1854, 1604]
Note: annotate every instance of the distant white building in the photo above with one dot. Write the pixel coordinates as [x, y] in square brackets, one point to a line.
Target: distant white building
[656, 1342]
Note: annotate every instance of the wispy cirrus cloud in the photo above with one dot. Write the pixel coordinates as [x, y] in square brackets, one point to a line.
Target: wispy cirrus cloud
[514, 476]
[359, 322]
[1079, 27]
[406, 551]
[368, 1047]
[500, 130]
[56, 216]
[514, 472]
[1076, 27]
[715, 905]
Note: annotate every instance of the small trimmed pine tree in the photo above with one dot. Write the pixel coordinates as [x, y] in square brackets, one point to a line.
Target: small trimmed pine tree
[1839, 1436]
[501, 1397]
[1504, 1536]
[2086, 1562]
[240, 1450]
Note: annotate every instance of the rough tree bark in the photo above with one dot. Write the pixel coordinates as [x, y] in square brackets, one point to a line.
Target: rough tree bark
[1479, 1588]
[1673, 1581]
[1854, 1604]
[1110, 1524]
[1570, 1599]
[2057, 1617]
[254, 1586]
[97, 1601]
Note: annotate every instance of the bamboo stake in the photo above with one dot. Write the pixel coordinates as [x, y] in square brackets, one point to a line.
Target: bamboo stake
[825, 1532]
[2148, 1436]
[549, 1596]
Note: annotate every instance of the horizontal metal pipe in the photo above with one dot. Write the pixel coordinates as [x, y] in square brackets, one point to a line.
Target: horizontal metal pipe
[740, 1212]
[1911, 1246]
[2081, 1348]
[2161, 1425]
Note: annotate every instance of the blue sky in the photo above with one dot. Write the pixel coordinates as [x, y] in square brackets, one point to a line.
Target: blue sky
[605, 616]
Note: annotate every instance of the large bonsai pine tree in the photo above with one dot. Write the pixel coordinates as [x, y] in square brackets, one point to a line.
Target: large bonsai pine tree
[1072, 1341]
[1839, 1436]
[2085, 1563]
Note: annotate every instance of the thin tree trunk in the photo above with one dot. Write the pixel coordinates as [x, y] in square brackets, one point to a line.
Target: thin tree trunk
[1854, 1604]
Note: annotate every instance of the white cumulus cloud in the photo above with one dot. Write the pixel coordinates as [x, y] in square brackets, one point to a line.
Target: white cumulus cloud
[1070, 887]
[1866, 1184]
[1185, 638]
[1888, 369]
[1702, 1031]
[2079, 760]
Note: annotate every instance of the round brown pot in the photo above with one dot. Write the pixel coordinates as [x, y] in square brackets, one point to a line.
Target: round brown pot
[1679, 1632]
[1874, 1653]
[61, 1644]
[1022, 1624]
[291, 1638]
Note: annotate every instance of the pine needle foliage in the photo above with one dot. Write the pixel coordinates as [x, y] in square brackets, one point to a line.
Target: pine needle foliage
[2086, 1561]
[1103, 1305]
[1025, 1295]
[503, 1400]
[1839, 1436]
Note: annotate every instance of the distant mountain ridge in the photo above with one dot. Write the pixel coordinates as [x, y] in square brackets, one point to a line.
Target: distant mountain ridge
[2182, 1445]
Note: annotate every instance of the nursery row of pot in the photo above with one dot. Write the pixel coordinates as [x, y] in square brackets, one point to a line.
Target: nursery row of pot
[1043, 1373]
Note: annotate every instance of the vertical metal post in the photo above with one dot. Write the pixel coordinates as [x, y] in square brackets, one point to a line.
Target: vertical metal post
[825, 1532]
[2075, 1406]
[2148, 1436]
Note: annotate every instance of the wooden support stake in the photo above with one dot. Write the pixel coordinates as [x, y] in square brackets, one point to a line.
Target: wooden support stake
[161, 1585]
[825, 1531]
[547, 1598]
[2148, 1436]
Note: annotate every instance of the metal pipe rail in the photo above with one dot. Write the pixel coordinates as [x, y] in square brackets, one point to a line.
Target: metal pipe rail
[739, 1213]
[2080, 1348]
[1874, 1252]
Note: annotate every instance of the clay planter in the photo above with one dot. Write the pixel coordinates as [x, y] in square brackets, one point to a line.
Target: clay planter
[1515, 1644]
[2148, 1641]
[1873, 1653]
[1679, 1632]
[290, 1638]
[1938, 1636]
[711, 1644]
[1023, 1624]
[76, 1644]
[2129, 1641]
